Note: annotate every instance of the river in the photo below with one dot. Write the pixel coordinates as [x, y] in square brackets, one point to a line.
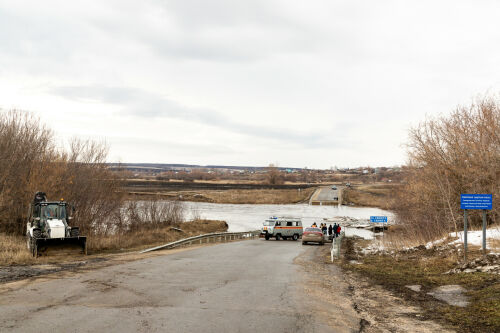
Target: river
[241, 217]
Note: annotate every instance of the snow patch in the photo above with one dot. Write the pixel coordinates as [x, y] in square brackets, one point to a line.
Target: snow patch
[476, 237]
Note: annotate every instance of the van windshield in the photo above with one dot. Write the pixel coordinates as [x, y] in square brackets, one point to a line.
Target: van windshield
[269, 223]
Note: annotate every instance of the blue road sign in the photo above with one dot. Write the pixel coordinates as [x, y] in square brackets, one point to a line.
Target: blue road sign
[476, 201]
[378, 219]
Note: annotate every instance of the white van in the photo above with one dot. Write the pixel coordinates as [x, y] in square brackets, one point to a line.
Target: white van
[282, 227]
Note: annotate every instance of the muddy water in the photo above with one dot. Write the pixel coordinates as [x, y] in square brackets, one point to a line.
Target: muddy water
[250, 217]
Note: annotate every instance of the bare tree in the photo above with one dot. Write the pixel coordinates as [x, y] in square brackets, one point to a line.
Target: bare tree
[30, 162]
[273, 175]
[449, 156]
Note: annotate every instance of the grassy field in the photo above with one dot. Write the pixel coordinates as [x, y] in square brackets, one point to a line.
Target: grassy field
[260, 196]
[13, 249]
[370, 195]
[426, 267]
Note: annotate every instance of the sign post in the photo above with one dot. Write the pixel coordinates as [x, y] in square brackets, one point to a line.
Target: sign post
[465, 235]
[378, 219]
[475, 201]
[484, 231]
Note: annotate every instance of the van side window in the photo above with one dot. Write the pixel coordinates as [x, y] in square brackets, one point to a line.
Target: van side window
[289, 224]
[278, 223]
[297, 224]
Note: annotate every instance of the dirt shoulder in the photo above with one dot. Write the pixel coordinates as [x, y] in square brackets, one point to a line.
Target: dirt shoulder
[410, 275]
[343, 297]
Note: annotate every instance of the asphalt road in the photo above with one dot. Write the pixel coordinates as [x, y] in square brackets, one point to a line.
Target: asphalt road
[327, 194]
[246, 286]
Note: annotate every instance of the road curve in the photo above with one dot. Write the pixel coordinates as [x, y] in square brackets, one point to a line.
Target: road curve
[246, 286]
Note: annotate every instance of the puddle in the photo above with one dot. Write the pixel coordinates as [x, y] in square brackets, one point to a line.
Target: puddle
[415, 287]
[452, 294]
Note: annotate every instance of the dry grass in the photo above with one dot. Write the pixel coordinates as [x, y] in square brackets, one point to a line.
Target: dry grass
[13, 249]
[425, 267]
[152, 237]
[370, 195]
[260, 196]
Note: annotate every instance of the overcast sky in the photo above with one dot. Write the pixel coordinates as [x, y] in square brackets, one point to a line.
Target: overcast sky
[298, 83]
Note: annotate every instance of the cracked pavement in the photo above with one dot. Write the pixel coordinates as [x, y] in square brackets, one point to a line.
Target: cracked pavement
[242, 286]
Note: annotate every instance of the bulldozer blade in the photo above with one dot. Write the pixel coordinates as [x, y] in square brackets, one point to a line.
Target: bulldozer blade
[58, 246]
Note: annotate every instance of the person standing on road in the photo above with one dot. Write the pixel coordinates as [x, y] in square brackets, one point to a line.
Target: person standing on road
[338, 230]
[330, 230]
[334, 230]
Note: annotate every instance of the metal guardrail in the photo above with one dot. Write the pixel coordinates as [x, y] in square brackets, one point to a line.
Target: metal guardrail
[222, 236]
[336, 243]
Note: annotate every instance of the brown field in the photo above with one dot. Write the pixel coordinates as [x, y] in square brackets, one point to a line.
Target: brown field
[370, 195]
[13, 249]
[261, 196]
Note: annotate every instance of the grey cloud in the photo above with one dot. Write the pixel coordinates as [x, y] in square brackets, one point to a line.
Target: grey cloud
[220, 31]
[140, 103]
[157, 145]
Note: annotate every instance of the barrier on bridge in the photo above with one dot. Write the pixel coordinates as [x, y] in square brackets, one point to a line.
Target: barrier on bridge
[221, 236]
[336, 243]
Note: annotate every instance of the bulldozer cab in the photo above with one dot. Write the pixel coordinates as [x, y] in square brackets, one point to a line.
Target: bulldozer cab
[52, 211]
[48, 226]
[43, 211]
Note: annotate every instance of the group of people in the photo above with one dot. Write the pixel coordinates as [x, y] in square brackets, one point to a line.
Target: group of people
[332, 230]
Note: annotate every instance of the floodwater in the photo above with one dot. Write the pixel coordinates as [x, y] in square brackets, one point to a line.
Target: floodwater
[250, 217]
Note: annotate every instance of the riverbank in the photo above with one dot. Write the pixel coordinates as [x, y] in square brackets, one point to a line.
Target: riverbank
[232, 196]
[13, 248]
[465, 297]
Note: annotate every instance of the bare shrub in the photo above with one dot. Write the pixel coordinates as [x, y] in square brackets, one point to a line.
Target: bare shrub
[91, 187]
[25, 148]
[30, 162]
[449, 156]
[149, 214]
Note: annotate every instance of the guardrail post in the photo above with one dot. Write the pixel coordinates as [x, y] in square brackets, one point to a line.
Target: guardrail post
[336, 243]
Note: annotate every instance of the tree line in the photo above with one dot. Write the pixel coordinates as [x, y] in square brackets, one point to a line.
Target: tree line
[447, 156]
[31, 161]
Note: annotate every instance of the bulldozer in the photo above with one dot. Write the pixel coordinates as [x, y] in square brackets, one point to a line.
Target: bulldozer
[48, 228]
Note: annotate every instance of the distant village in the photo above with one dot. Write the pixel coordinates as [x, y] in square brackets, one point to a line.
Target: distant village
[186, 172]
